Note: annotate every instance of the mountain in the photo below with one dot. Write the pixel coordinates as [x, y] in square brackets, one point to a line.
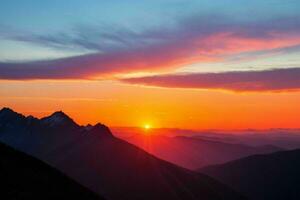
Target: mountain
[105, 164]
[24, 177]
[194, 153]
[274, 176]
[59, 120]
[284, 138]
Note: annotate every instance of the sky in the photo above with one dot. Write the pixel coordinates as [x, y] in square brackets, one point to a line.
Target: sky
[226, 64]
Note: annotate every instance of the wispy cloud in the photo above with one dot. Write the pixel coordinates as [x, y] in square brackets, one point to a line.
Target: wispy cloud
[241, 81]
[121, 50]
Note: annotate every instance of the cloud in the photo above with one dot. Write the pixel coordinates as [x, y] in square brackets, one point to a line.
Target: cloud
[97, 65]
[193, 39]
[240, 81]
[254, 55]
[191, 29]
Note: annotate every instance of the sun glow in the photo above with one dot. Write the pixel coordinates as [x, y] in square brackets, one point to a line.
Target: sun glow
[147, 126]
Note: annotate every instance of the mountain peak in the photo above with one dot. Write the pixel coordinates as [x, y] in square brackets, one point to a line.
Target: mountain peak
[7, 113]
[59, 113]
[59, 118]
[100, 130]
[88, 127]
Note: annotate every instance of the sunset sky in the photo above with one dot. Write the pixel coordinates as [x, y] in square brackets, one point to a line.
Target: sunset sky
[226, 64]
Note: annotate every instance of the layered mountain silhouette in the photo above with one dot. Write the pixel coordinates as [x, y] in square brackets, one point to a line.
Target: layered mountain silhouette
[25, 177]
[284, 138]
[274, 176]
[92, 156]
[194, 153]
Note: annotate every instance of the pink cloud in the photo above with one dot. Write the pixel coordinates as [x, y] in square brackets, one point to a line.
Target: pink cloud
[171, 50]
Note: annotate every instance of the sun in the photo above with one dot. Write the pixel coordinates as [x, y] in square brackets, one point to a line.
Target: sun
[147, 126]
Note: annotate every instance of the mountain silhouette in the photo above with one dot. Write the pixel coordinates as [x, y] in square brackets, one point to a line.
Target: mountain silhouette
[105, 164]
[287, 139]
[24, 177]
[274, 176]
[194, 153]
[59, 120]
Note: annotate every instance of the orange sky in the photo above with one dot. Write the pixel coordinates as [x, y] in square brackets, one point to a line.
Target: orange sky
[118, 104]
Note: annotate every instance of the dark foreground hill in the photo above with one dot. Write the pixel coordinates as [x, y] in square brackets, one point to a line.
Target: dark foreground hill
[274, 176]
[105, 164]
[24, 177]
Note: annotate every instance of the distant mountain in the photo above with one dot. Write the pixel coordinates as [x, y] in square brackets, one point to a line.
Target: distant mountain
[284, 138]
[274, 176]
[24, 177]
[194, 153]
[105, 164]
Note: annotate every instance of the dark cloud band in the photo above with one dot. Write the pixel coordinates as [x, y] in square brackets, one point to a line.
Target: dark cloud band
[269, 80]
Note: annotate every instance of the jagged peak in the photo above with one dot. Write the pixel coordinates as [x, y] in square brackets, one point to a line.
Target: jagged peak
[31, 117]
[60, 113]
[8, 112]
[88, 127]
[6, 109]
[101, 130]
[58, 118]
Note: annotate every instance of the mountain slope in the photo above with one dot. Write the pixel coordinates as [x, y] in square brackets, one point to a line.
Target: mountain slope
[195, 153]
[24, 177]
[106, 164]
[262, 177]
[126, 172]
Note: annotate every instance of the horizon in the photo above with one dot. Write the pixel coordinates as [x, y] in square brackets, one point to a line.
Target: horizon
[154, 129]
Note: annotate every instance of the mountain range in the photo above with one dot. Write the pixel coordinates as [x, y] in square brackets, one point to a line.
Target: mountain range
[194, 153]
[107, 165]
[283, 138]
